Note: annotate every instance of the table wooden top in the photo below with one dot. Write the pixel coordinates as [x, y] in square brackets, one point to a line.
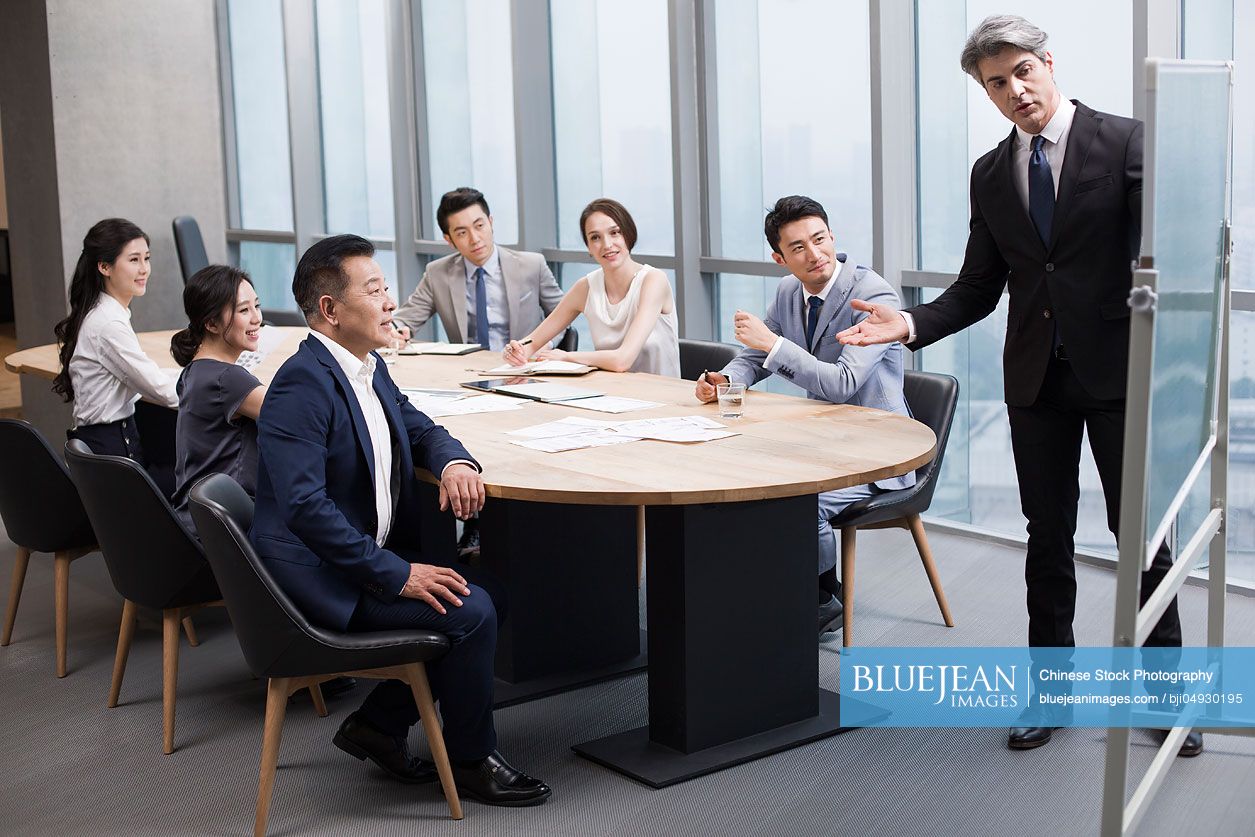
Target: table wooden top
[787, 446]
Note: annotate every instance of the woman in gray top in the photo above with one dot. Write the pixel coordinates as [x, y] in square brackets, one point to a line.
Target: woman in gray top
[219, 401]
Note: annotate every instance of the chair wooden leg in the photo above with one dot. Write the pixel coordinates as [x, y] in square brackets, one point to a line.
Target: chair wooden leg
[926, 555]
[125, 633]
[849, 534]
[169, 674]
[640, 544]
[15, 592]
[61, 583]
[276, 708]
[320, 705]
[417, 676]
[190, 630]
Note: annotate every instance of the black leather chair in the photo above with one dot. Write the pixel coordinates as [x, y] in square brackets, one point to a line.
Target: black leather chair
[42, 513]
[932, 399]
[697, 356]
[570, 341]
[281, 645]
[190, 246]
[153, 561]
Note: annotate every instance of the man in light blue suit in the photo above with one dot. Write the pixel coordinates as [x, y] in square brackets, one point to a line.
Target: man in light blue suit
[797, 342]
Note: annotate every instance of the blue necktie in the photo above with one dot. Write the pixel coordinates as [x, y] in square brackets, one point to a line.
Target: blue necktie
[481, 307]
[812, 319]
[1041, 190]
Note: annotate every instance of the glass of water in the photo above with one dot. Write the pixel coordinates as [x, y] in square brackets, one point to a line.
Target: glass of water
[731, 400]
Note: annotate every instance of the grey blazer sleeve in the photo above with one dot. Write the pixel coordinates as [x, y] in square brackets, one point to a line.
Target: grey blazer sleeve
[550, 293]
[418, 309]
[748, 367]
[837, 381]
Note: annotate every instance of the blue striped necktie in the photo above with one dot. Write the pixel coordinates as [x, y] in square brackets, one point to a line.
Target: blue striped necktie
[812, 319]
[481, 307]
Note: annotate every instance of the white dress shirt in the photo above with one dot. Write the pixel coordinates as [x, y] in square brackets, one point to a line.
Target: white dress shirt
[498, 304]
[806, 301]
[361, 377]
[110, 372]
[1056, 146]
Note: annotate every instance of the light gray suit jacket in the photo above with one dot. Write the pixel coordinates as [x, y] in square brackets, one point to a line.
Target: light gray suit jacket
[531, 294]
[868, 376]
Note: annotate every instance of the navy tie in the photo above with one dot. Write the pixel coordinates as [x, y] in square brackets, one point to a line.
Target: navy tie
[481, 307]
[1041, 190]
[812, 319]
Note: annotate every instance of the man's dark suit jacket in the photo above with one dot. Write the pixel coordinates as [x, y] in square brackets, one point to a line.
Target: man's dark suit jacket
[1080, 281]
[315, 518]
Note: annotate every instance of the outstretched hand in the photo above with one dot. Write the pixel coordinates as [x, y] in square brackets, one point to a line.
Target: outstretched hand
[882, 325]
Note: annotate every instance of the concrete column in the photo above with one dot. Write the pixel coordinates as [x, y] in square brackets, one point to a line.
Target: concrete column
[109, 108]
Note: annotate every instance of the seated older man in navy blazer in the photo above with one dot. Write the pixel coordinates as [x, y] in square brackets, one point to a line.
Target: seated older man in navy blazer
[797, 341]
[337, 525]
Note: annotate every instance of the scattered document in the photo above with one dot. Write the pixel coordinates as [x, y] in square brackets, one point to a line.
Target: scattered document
[613, 404]
[542, 367]
[538, 391]
[675, 429]
[439, 349]
[574, 433]
[440, 405]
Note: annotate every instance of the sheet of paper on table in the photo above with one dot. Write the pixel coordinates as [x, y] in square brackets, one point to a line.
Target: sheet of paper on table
[613, 404]
[675, 429]
[439, 349]
[571, 433]
[542, 367]
[440, 405]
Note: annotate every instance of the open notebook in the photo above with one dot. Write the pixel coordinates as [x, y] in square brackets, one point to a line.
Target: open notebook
[542, 367]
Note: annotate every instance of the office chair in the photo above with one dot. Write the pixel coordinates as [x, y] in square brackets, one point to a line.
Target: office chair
[281, 645]
[932, 399]
[42, 512]
[190, 246]
[697, 356]
[153, 561]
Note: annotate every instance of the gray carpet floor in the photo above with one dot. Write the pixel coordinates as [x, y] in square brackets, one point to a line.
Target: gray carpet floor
[71, 766]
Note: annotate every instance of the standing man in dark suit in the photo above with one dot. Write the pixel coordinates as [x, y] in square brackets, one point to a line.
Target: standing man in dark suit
[1056, 220]
[337, 525]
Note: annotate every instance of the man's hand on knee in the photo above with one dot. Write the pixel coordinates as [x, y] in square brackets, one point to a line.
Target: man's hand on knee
[462, 489]
[427, 582]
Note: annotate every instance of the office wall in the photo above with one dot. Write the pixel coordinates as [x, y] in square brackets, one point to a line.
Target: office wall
[110, 108]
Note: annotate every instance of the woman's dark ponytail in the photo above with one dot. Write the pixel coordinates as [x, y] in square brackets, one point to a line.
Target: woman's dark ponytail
[209, 293]
[104, 242]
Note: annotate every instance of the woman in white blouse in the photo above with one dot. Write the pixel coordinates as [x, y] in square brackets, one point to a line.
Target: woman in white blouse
[629, 306]
[103, 369]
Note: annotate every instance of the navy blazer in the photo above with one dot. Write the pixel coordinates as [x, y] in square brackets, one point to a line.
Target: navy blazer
[315, 518]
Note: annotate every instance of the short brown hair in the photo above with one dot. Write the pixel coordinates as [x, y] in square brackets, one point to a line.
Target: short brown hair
[617, 212]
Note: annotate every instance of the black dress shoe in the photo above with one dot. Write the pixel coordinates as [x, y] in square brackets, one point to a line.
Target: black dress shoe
[468, 545]
[494, 782]
[362, 741]
[830, 613]
[1190, 747]
[1028, 738]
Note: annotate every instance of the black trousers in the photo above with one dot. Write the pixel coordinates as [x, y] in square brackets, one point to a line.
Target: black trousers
[462, 681]
[115, 438]
[1046, 439]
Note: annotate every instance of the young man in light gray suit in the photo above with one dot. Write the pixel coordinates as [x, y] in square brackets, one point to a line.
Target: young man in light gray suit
[512, 291]
[797, 342]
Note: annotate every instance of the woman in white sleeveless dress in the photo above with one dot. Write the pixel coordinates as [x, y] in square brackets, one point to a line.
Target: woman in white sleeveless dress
[629, 306]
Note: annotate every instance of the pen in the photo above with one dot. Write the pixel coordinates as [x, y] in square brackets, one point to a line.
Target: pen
[525, 342]
[702, 377]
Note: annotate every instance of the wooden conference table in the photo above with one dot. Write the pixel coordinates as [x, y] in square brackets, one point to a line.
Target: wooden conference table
[730, 538]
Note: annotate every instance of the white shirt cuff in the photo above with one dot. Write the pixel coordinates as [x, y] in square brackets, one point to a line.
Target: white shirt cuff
[775, 347]
[910, 327]
[458, 462]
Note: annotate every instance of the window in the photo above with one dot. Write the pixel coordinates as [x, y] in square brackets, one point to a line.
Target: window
[791, 120]
[612, 115]
[468, 80]
[260, 104]
[353, 102]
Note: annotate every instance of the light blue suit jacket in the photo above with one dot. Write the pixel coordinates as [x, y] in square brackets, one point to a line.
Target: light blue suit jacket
[867, 376]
